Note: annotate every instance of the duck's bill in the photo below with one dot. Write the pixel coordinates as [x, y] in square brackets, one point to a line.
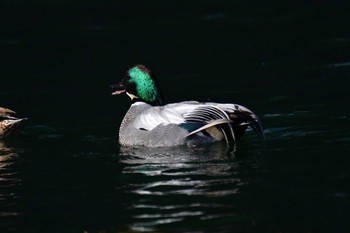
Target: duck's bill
[118, 92]
[117, 89]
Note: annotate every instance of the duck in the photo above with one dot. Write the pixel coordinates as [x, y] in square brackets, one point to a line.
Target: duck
[9, 122]
[150, 122]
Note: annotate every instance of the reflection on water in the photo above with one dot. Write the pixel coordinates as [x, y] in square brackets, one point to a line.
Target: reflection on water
[175, 161]
[181, 184]
[10, 182]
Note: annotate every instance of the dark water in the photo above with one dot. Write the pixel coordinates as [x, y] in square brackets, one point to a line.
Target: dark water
[289, 62]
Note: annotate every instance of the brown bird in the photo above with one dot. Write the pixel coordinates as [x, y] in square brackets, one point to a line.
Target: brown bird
[9, 123]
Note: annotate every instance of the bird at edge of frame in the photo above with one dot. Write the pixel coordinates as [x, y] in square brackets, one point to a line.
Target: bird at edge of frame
[151, 123]
[9, 122]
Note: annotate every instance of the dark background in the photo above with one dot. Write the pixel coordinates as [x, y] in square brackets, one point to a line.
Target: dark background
[59, 51]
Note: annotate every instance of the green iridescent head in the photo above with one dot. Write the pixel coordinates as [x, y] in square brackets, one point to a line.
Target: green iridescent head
[139, 84]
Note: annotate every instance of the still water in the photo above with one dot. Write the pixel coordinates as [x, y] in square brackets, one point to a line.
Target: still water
[290, 64]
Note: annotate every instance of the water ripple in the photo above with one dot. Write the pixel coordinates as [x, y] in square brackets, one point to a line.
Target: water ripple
[10, 182]
[172, 177]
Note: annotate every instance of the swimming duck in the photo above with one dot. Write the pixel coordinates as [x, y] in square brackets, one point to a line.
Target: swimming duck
[150, 123]
[8, 122]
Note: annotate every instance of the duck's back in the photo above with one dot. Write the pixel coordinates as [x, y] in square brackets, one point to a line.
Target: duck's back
[142, 126]
[187, 122]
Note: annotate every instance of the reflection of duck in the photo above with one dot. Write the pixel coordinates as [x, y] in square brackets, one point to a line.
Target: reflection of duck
[180, 160]
[10, 182]
[4, 149]
[150, 123]
[180, 184]
[9, 122]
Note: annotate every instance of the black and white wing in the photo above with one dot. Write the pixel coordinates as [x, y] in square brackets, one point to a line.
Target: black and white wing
[224, 121]
[219, 121]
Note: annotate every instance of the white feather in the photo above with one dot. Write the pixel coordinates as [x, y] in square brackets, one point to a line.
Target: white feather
[175, 113]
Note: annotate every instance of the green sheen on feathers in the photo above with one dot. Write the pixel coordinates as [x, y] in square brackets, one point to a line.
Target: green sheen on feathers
[145, 85]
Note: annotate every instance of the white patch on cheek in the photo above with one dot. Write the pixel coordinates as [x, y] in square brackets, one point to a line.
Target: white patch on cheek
[132, 96]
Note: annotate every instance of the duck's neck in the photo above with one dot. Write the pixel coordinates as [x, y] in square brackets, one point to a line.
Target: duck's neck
[158, 102]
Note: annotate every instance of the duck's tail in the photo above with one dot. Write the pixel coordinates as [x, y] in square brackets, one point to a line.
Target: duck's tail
[223, 122]
[242, 118]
